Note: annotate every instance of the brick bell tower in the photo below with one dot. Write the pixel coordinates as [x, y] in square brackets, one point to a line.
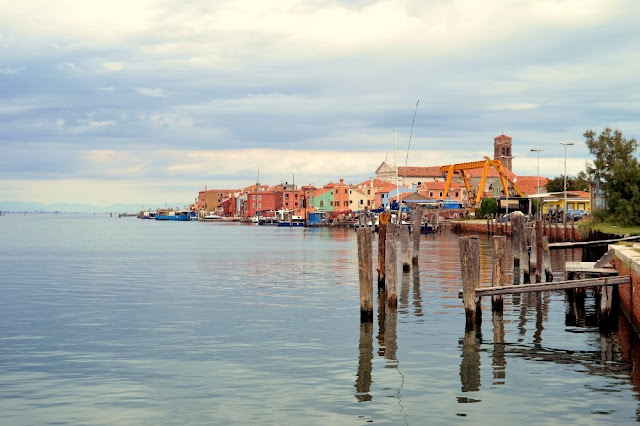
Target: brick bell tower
[502, 150]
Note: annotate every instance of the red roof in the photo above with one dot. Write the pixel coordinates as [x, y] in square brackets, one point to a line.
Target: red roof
[528, 184]
[367, 183]
[433, 171]
[439, 185]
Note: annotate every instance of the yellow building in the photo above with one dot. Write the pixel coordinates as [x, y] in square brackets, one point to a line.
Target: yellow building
[576, 200]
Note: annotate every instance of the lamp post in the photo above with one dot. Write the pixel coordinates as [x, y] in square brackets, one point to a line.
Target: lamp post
[507, 188]
[564, 215]
[538, 172]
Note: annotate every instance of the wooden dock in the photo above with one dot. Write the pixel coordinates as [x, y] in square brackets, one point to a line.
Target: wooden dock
[557, 285]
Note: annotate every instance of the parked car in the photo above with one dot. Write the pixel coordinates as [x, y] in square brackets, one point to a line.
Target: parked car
[574, 215]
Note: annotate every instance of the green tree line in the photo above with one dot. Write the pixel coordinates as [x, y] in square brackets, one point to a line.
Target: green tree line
[616, 166]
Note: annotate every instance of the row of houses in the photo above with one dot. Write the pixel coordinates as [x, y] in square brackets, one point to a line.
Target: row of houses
[408, 184]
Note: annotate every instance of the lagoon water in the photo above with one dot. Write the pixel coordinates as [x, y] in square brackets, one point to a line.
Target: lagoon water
[127, 321]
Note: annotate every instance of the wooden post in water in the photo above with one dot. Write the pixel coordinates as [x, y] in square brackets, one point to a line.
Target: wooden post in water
[383, 220]
[499, 269]
[546, 259]
[517, 218]
[365, 273]
[391, 266]
[532, 255]
[538, 258]
[406, 251]
[470, 265]
[606, 298]
[416, 225]
[488, 226]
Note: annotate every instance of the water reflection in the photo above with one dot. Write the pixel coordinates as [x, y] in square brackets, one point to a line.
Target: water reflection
[391, 336]
[470, 365]
[499, 361]
[417, 297]
[365, 358]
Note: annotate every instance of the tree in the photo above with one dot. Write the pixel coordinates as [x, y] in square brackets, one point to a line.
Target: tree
[619, 171]
[574, 183]
[488, 207]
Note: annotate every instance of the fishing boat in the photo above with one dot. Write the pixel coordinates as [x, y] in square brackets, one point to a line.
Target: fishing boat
[173, 215]
[295, 221]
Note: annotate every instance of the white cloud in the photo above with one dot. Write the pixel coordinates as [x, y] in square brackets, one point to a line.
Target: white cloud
[11, 71]
[156, 93]
[113, 66]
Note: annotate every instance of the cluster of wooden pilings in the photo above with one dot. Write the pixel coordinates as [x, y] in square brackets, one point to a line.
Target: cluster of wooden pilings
[388, 236]
[532, 263]
[551, 228]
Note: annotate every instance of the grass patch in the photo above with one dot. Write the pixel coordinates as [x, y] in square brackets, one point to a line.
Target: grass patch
[611, 228]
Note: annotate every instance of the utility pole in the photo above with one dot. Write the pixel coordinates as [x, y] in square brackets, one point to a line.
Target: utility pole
[564, 218]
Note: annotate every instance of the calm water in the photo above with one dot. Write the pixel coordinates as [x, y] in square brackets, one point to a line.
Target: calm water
[124, 321]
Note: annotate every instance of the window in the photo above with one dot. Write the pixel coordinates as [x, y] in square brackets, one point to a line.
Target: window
[368, 192]
[253, 205]
[441, 193]
[346, 203]
[361, 202]
[430, 193]
[330, 203]
[456, 193]
[296, 196]
[259, 197]
[350, 201]
[254, 197]
[321, 203]
[345, 191]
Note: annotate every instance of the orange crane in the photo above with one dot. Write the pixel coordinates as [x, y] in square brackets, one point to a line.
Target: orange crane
[484, 165]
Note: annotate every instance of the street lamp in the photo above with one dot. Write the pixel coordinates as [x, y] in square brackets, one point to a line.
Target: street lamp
[538, 173]
[507, 188]
[564, 218]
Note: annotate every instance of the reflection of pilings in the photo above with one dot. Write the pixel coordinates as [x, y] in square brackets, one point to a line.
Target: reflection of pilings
[417, 298]
[499, 361]
[524, 307]
[390, 335]
[575, 314]
[470, 365]
[363, 380]
[403, 307]
[537, 336]
[382, 303]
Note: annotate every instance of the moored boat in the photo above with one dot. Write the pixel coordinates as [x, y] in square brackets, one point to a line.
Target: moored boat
[173, 215]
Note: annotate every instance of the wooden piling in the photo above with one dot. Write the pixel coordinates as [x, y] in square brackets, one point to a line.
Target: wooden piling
[383, 220]
[546, 259]
[606, 299]
[498, 278]
[539, 238]
[365, 272]
[391, 266]
[470, 265]
[532, 255]
[406, 250]
[517, 218]
[416, 225]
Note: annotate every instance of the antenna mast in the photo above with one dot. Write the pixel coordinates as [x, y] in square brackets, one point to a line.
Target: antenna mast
[411, 133]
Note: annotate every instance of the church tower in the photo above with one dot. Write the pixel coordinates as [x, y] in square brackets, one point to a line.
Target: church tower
[502, 150]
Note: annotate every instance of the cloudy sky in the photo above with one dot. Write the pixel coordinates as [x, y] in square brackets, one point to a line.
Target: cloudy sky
[149, 101]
